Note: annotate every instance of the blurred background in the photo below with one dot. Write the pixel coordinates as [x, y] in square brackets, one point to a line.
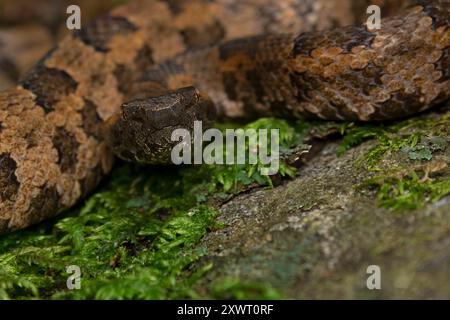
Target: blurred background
[28, 29]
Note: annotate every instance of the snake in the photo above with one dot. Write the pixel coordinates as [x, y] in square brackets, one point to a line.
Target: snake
[121, 84]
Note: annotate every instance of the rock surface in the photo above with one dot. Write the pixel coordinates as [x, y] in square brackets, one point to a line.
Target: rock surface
[314, 237]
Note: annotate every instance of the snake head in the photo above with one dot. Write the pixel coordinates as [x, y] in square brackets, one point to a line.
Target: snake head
[142, 130]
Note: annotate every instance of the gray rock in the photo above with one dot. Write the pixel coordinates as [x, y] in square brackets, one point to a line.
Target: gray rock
[315, 236]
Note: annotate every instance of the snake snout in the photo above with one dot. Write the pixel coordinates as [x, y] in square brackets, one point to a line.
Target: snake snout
[142, 131]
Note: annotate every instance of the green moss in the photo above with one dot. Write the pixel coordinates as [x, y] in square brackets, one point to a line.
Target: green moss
[388, 144]
[129, 240]
[233, 178]
[400, 149]
[408, 193]
[355, 135]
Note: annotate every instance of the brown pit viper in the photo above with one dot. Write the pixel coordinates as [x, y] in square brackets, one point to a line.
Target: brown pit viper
[169, 62]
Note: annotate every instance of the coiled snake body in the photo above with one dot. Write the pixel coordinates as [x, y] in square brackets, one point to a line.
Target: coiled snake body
[59, 125]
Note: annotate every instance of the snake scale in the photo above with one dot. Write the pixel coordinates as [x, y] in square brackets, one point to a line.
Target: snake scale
[168, 62]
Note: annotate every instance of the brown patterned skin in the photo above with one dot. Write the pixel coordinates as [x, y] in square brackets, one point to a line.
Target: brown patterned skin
[54, 126]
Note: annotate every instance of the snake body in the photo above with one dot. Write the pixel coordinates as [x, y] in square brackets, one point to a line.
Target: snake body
[174, 61]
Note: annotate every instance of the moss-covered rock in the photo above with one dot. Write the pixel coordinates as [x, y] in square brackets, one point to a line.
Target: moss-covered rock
[377, 204]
